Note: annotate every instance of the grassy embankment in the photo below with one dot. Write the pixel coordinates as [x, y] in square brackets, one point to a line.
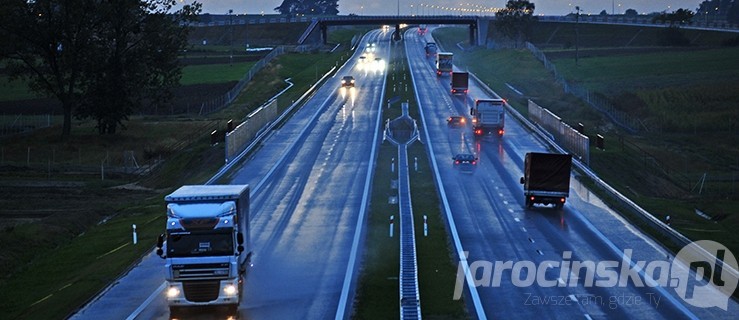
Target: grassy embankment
[83, 241]
[377, 294]
[685, 97]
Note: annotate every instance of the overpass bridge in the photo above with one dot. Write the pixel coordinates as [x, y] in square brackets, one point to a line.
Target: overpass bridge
[478, 26]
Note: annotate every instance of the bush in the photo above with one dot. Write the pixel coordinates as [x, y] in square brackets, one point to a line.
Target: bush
[673, 36]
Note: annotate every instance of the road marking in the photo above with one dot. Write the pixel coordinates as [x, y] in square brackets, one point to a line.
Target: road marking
[148, 300]
[517, 220]
[572, 296]
[587, 316]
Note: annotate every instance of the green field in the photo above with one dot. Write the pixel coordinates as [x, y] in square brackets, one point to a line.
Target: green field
[214, 73]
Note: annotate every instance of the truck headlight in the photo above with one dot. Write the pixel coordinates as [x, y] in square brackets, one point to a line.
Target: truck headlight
[230, 289]
[173, 292]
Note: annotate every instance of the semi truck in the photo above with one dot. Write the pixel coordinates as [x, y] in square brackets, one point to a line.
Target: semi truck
[488, 117]
[546, 178]
[206, 246]
[460, 82]
[444, 63]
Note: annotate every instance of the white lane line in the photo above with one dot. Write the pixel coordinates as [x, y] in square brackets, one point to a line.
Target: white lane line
[572, 296]
[511, 211]
[587, 316]
[517, 219]
[349, 275]
[146, 303]
[476, 302]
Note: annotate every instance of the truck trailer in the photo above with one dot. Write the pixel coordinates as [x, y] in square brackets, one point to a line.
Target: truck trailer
[546, 178]
[460, 82]
[444, 63]
[206, 246]
[488, 117]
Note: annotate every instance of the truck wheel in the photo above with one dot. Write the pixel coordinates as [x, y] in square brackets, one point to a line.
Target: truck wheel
[528, 203]
[559, 205]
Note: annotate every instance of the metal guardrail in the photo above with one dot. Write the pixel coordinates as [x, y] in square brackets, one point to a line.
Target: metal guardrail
[410, 301]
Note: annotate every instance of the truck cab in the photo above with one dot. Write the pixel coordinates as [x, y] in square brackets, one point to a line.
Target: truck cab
[205, 246]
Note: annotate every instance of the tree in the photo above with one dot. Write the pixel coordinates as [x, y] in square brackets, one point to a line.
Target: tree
[516, 19]
[88, 56]
[46, 44]
[603, 13]
[136, 61]
[732, 15]
[631, 13]
[676, 18]
[308, 7]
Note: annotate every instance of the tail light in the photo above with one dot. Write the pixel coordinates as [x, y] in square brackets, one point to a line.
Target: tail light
[500, 132]
[456, 162]
[562, 200]
[474, 162]
[532, 198]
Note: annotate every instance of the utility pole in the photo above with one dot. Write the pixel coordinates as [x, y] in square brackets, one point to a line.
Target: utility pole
[577, 34]
[231, 36]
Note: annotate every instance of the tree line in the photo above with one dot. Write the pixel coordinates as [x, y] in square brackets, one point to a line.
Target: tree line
[101, 59]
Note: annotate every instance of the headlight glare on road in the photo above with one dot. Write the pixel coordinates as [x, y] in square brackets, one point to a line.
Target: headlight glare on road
[173, 292]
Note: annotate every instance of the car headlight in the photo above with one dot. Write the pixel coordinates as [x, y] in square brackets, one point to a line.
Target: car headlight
[230, 289]
[173, 292]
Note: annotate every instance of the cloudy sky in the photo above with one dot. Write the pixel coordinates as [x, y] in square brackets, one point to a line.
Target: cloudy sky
[545, 7]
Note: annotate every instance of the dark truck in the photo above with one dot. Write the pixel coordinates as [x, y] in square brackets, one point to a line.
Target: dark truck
[460, 82]
[430, 49]
[546, 178]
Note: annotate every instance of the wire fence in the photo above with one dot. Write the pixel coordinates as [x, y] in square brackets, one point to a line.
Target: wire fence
[19, 123]
[626, 121]
[219, 103]
[63, 160]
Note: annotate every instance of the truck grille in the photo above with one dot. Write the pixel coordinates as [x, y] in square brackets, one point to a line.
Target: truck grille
[200, 271]
[201, 291]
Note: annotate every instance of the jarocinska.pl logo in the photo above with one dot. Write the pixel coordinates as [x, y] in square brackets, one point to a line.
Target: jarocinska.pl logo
[711, 283]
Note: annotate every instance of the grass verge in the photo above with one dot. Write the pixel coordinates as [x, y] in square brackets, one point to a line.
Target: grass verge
[377, 294]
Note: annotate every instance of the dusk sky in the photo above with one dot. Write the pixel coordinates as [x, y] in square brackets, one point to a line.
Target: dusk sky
[545, 7]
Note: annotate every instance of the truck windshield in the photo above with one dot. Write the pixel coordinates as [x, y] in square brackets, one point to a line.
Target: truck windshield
[191, 244]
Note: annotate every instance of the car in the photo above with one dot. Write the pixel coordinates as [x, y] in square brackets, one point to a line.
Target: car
[370, 47]
[362, 59]
[465, 161]
[456, 121]
[347, 81]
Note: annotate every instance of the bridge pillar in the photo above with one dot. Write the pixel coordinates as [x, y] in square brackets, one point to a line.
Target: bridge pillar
[473, 34]
[324, 33]
[396, 34]
[482, 31]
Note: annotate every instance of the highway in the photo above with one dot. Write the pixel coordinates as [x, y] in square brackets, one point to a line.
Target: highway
[309, 180]
[487, 208]
[308, 183]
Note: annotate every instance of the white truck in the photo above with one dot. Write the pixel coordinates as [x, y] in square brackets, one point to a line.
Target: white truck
[444, 63]
[206, 246]
[488, 117]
